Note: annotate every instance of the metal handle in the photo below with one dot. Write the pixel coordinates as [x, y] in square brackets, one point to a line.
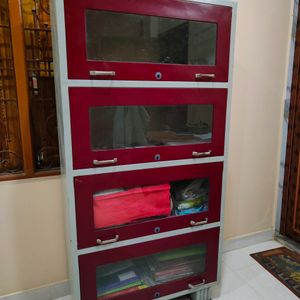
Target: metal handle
[191, 286]
[193, 223]
[199, 154]
[205, 76]
[100, 242]
[104, 162]
[102, 73]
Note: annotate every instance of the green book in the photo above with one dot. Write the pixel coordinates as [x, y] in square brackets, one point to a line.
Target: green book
[137, 283]
[180, 253]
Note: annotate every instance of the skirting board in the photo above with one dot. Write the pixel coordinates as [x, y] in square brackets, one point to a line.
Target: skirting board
[248, 240]
[292, 245]
[46, 292]
[57, 290]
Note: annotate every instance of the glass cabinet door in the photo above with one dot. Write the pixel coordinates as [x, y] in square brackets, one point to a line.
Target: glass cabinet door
[119, 206]
[149, 39]
[118, 127]
[124, 126]
[141, 40]
[152, 269]
[131, 275]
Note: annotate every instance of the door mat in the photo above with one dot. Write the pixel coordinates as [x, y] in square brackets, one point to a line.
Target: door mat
[284, 264]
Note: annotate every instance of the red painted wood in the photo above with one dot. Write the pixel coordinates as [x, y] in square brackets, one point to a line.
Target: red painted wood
[81, 99]
[85, 186]
[89, 262]
[79, 66]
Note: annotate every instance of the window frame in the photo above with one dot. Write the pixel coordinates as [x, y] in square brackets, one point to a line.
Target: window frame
[22, 91]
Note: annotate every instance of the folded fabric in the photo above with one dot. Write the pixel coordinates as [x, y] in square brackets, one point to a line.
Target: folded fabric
[131, 205]
[191, 210]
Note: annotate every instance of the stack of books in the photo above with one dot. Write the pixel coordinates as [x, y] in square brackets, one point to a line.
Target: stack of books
[118, 279]
[178, 263]
[132, 275]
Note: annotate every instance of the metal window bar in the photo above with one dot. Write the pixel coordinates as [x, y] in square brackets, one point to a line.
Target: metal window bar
[11, 160]
[39, 63]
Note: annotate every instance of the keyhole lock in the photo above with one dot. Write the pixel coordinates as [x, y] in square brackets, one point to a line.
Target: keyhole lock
[158, 75]
[156, 294]
[157, 229]
[157, 157]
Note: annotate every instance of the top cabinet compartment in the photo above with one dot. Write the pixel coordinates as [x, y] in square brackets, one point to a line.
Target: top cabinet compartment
[163, 40]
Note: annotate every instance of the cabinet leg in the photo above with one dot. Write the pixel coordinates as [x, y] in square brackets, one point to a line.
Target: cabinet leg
[201, 295]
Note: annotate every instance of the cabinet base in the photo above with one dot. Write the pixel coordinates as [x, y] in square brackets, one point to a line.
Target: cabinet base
[202, 295]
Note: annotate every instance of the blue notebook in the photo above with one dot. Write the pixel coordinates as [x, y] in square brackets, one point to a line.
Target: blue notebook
[117, 280]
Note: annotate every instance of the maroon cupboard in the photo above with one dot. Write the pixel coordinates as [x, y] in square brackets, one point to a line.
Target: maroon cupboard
[145, 87]
[153, 51]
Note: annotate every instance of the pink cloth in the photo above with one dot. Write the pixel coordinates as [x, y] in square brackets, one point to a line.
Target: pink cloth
[131, 205]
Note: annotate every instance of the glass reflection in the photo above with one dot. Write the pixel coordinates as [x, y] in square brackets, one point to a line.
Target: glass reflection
[117, 127]
[121, 278]
[113, 36]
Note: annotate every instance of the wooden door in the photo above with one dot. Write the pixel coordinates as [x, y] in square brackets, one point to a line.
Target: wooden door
[290, 216]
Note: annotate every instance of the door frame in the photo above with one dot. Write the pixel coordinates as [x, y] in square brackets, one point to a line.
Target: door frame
[292, 90]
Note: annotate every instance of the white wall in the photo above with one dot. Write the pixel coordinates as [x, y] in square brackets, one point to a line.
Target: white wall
[32, 249]
[260, 66]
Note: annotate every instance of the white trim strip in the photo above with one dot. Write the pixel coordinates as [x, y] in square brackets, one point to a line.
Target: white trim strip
[152, 165]
[45, 292]
[145, 84]
[147, 238]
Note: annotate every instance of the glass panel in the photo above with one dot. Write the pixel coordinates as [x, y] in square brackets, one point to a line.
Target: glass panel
[39, 63]
[11, 158]
[116, 127]
[149, 202]
[131, 275]
[113, 36]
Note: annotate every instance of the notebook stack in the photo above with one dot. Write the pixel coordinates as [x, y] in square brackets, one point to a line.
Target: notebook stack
[118, 279]
[176, 264]
[132, 275]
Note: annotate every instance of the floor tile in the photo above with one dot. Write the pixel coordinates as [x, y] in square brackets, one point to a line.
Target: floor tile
[59, 290]
[237, 259]
[270, 288]
[230, 281]
[243, 293]
[250, 272]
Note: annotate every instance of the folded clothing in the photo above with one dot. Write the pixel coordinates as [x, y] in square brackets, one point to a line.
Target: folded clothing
[190, 196]
[131, 205]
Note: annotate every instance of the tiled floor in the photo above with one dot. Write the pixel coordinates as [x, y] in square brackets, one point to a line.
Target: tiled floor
[244, 279]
